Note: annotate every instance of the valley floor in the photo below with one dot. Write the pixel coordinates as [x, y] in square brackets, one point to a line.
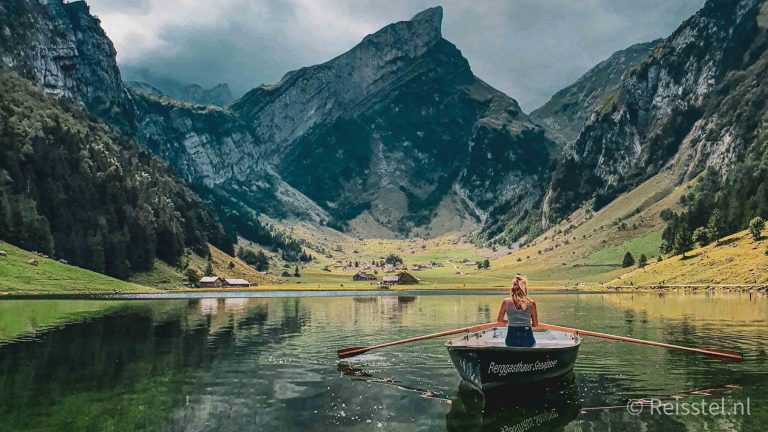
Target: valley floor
[737, 262]
[583, 252]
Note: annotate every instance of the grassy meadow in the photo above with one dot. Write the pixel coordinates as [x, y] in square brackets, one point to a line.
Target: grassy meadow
[52, 277]
[737, 260]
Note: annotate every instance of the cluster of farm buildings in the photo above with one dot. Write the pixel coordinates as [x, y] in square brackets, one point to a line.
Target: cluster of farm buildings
[220, 282]
[401, 276]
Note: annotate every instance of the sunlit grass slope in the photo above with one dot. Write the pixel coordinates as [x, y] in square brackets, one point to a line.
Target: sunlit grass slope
[52, 277]
[737, 260]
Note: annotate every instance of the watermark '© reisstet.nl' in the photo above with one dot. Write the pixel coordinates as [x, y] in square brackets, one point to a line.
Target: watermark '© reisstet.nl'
[701, 407]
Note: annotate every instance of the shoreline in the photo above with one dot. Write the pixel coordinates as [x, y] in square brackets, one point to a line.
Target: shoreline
[411, 290]
[662, 288]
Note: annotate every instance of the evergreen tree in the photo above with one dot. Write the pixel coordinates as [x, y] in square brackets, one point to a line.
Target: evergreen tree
[257, 260]
[262, 261]
[664, 247]
[486, 264]
[756, 226]
[628, 260]
[683, 241]
[96, 256]
[209, 268]
[192, 276]
[643, 261]
[296, 272]
[701, 236]
[73, 187]
[715, 225]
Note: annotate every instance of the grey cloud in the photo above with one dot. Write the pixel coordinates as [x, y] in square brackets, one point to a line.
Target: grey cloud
[132, 6]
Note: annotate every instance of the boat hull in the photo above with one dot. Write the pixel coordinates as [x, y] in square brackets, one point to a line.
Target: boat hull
[486, 367]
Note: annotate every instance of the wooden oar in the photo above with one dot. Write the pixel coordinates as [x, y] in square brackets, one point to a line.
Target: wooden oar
[717, 353]
[353, 351]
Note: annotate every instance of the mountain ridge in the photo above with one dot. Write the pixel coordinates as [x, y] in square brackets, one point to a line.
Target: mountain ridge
[642, 127]
[408, 130]
[566, 112]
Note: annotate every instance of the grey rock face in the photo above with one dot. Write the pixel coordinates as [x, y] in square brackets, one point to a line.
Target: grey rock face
[220, 95]
[282, 112]
[399, 130]
[566, 113]
[61, 47]
[205, 144]
[660, 105]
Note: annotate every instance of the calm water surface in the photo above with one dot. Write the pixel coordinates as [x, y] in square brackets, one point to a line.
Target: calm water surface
[253, 364]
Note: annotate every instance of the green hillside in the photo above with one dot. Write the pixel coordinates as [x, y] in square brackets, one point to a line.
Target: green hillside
[589, 246]
[736, 260]
[73, 187]
[52, 277]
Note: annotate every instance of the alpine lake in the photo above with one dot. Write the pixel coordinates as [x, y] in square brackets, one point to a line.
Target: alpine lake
[267, 362]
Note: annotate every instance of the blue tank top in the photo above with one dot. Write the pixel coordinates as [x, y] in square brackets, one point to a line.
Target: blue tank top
[518, 318]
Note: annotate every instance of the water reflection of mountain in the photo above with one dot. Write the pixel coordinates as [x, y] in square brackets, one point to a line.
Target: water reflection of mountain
[533, 407]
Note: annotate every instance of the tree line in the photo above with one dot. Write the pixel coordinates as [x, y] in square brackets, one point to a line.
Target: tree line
[240, 220]
[715, 208]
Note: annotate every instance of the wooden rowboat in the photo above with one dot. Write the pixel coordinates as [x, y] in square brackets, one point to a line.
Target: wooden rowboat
[484, 361]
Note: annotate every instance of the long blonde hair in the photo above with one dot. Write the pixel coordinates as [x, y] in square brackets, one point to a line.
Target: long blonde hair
[518, 293]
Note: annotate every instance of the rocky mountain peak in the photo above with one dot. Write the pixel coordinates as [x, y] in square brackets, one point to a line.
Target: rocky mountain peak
[344, 82]
[413, 37]
[219, 95]
[398, 136]
[432, 17]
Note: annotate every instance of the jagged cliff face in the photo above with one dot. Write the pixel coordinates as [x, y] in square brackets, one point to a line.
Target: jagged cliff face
[63, 49]
[566, 113]
[211, 148]
[665, 111]
[283, 112]
[399, 134]
[205, 144]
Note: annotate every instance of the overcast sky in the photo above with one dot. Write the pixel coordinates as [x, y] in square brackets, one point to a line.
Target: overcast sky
[527, 48]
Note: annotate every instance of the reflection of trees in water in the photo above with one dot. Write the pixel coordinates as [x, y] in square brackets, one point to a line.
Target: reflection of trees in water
[124, 371]
[74, 367]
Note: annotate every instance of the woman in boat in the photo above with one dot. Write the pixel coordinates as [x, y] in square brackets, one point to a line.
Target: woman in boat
[520, 312]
